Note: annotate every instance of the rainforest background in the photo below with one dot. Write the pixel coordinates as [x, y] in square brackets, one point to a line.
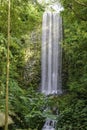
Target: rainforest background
[26, 103]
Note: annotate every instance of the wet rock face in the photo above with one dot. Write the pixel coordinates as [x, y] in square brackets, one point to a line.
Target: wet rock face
[32, 57]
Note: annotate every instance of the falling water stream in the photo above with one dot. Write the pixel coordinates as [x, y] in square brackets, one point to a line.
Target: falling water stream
[51, 53]
[49, 125]
[51, 57]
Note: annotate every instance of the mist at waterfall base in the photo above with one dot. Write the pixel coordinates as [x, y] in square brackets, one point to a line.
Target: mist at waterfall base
[51, 53]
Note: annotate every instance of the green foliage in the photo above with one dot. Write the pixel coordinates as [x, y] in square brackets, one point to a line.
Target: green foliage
[26, 106]
[25, 16]
[32, 69]
[73, 106]
[73, 113]
[76, 8]
[75, 56]
[29, 113]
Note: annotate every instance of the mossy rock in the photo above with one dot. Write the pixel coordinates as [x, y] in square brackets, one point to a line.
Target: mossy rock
[2, 119]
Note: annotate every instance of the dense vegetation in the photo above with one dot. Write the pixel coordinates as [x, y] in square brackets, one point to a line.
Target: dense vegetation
[26, 104]
[73, 108]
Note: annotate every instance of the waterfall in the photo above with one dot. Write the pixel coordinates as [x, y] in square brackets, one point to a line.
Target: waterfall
[51, 53]
[49, 125]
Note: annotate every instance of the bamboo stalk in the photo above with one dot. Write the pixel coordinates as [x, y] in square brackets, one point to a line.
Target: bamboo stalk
[7, 69]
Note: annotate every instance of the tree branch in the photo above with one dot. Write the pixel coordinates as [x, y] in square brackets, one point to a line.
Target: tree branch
[80, 3]
[84, 19]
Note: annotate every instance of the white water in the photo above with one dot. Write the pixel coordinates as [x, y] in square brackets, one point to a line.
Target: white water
[51, 56]
[49, 125]
[51, 53]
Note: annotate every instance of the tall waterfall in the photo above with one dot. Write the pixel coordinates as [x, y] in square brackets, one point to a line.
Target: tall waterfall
[51, 53]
